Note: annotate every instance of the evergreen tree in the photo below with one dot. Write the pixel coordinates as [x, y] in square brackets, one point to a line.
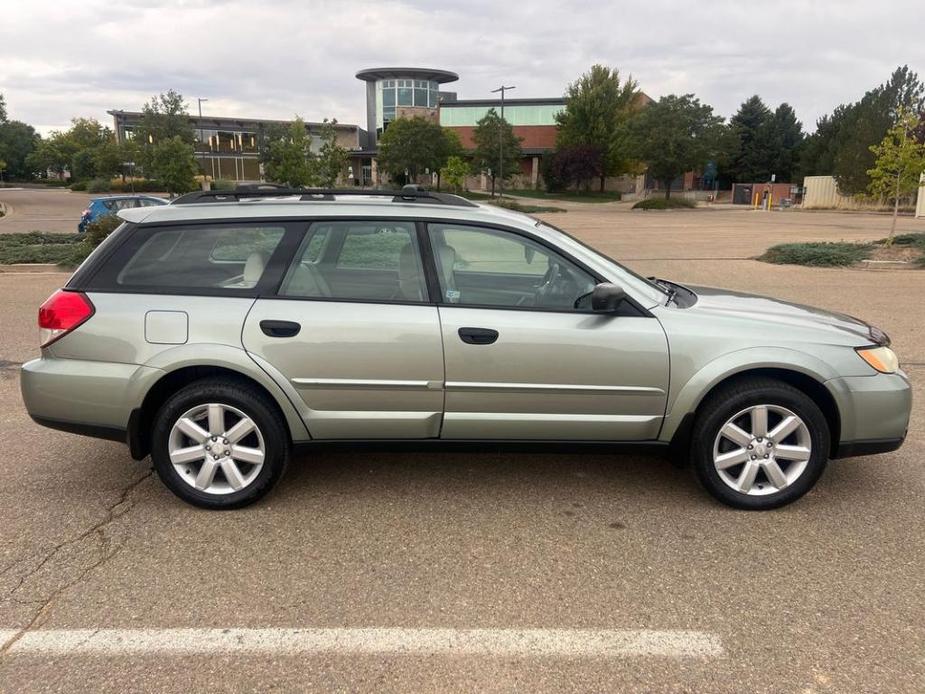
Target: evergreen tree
[753, 155]
[786, 139]
[867, 122]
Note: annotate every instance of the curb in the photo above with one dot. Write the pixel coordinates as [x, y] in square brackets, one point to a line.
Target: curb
[22, 268]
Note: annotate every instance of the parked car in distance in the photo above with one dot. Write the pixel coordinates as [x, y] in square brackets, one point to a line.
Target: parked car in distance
[113, 204]
[219, 332]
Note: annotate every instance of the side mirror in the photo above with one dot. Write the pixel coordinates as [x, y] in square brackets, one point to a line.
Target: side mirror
[606, 297]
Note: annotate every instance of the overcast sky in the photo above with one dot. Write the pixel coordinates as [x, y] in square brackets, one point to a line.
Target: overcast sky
[274, 59]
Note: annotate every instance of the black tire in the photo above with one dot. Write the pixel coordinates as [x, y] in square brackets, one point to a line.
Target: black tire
[736, 397]
[249, 400]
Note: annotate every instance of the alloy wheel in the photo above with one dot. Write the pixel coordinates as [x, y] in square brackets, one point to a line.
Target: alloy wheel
[216, 448]
[762, 450]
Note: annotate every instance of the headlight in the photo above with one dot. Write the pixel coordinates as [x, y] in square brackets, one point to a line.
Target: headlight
[883, 359]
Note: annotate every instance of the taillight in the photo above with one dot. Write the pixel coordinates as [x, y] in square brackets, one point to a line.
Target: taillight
[85, 213]
[61, 313]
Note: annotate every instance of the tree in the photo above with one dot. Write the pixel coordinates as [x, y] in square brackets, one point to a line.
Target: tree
[674, 135]
[494, 138]
[410, 147]
[751, 125]
[786, 141]
[454, 172]
[817, 156]
[867, 122]
[597, 109]
[899, 162]
[108, 159]
[17, 141]
[173, 163]
[573, 165]
[289, 157]
[2, 109]
[164, 117]
[332, 158]
[52, 154]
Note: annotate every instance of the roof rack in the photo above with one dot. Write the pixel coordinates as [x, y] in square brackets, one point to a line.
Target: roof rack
[409, 193]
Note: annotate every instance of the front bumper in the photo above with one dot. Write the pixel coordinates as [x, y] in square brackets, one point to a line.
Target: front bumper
[874, 412]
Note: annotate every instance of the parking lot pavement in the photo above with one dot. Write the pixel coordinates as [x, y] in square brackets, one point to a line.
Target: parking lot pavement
[565, 564]
[41, 209]
[723, 231]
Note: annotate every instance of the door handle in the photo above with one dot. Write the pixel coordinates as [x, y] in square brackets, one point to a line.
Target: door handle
[280, 328]
[478, 336]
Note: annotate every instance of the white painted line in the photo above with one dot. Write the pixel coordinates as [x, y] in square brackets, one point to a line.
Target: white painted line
[567, 643]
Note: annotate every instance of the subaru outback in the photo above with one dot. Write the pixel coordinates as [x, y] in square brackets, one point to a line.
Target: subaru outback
[219, 332]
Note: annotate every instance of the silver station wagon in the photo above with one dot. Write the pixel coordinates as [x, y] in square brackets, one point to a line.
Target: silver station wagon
[219, 332]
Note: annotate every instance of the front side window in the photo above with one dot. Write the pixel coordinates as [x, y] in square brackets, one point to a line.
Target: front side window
[213, 257]
[358, 260]
[490, 267]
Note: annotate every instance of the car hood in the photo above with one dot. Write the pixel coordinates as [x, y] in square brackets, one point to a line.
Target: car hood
[783, 313]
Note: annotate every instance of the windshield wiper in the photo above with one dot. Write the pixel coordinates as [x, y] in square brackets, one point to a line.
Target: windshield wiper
[667, 287]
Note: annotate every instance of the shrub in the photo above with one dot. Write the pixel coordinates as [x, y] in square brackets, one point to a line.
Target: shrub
[817, 254]
[38, 247]
[101, 228]
[99, 185]
[139, 185]
[664, 204]
[916, 239]
[223, 184]
[78, 185]
[527, 209]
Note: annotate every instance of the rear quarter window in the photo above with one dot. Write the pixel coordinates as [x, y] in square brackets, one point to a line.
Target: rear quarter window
[195, 258]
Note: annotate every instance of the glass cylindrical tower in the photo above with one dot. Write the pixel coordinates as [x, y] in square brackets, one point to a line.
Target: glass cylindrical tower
[395, 91]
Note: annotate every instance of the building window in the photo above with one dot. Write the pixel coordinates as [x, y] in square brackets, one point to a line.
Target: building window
[403, 93]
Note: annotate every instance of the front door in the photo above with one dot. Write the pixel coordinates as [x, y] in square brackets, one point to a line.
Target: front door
[526, 358]
[351, 331]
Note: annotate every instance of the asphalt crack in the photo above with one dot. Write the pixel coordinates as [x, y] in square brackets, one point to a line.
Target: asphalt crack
[113, 512]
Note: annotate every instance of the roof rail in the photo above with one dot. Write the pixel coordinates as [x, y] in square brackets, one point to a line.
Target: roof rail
[409, 193]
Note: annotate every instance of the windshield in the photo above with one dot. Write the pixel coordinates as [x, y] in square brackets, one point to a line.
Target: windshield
[659, 288]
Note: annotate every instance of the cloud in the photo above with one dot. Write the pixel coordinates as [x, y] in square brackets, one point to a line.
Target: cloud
[277, 59]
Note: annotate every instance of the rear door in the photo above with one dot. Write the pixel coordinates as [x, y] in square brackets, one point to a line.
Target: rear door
[352, 329]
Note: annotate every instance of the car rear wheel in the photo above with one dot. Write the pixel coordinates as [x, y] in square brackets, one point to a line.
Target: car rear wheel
[759, 444]
[219, 444]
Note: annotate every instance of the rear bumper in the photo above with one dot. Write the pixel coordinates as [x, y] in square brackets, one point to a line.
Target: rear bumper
[91, 398]
[92, 430]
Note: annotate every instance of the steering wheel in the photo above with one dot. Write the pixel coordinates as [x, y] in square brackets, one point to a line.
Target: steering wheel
[548, 284]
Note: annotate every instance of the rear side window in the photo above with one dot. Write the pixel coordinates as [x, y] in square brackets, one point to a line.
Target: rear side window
[363, 260]
[199, 257]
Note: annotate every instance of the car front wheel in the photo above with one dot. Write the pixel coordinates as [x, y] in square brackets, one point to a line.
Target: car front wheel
[219, 444]
[759, 444]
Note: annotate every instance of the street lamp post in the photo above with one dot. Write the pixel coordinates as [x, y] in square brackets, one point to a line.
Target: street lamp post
[201, 156]
[501, 89]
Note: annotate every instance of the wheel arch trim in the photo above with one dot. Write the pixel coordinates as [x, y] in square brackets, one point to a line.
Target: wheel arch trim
[208, 359]
[758, 361]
